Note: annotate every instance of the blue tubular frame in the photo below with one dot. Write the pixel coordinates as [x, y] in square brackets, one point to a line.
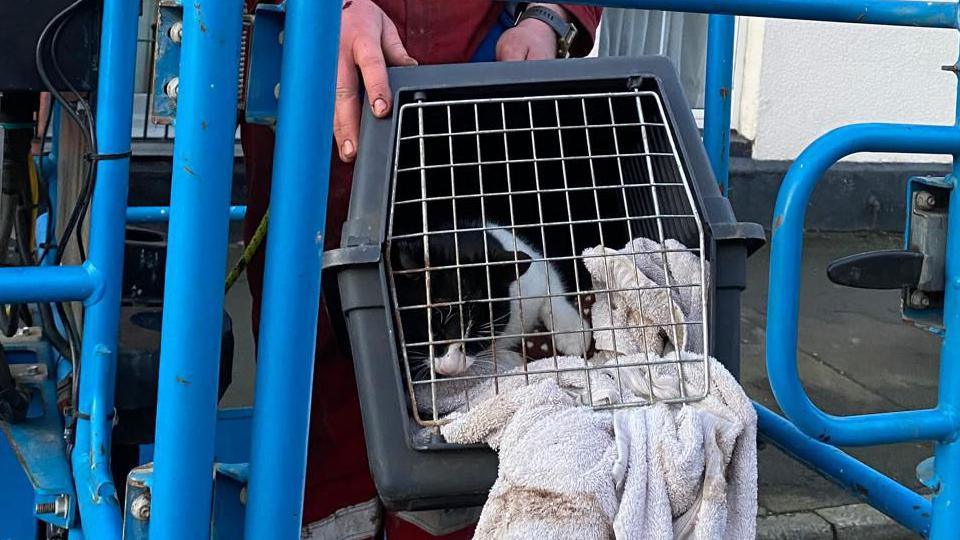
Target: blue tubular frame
[891, 498]
[889, 12]
[194, 295]
[940, 424]
[783, 302]
[717, 94]
[288, 327]
[96, 493]
[193, 292]
[161, 214]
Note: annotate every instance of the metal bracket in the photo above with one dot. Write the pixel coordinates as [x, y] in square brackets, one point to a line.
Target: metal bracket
[165, 85]
[136, 515]
[351, 256]
[926, 232]
[38, 441]
[263, 75]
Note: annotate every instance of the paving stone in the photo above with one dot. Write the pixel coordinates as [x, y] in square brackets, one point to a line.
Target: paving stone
[802, 526]
[863, 522]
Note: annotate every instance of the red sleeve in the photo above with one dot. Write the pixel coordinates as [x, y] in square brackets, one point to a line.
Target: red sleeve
[587, 18]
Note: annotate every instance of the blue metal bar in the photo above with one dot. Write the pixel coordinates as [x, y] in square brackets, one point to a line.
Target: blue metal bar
[946, 515]
[289, 320]
[783, 302]
[719, 86]
[161, 214]
[193, 293]
[50, 177]
[884, 494]
[888, 12]
[46, 284]
[97, 497]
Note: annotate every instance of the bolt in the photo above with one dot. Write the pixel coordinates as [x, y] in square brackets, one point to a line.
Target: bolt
[926, 200]
[172, 88]
[176, 32]
[45, 508]
[59, 507]
[919, 299]
[280, 37]
[33, 370]
[140, 507]
[276, 91]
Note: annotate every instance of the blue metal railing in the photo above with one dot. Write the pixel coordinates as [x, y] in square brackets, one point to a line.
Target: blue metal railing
[193, 294]
[193, 297]
[288, 327]
[940, 424]
[717, 96]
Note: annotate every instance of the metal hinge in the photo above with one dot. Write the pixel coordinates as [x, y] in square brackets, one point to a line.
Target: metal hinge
[165, 83]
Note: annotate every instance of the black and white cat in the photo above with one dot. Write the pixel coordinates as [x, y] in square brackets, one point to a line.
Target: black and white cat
[523, 304]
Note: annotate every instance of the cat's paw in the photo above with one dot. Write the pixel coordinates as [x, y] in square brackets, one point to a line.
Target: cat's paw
[575, 343]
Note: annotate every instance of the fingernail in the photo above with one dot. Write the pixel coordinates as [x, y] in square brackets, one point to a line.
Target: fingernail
[347, 149]
[412, 62]
[379, 107]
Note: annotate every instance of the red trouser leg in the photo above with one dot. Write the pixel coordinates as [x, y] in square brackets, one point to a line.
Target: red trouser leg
[338, 475]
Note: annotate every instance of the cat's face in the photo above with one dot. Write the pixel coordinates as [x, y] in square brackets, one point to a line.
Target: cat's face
[467, 310]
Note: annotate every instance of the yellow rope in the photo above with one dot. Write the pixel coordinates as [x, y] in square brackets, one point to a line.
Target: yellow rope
[248, 253]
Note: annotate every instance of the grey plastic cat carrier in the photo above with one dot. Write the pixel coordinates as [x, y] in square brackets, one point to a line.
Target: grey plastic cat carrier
[498, 221]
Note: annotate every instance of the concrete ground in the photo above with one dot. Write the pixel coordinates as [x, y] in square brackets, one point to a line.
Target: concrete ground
[856, 357]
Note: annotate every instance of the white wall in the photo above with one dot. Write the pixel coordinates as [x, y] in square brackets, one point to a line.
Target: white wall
[800, 79]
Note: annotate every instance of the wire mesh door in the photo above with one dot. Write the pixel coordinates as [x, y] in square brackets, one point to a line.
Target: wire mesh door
[549, 236]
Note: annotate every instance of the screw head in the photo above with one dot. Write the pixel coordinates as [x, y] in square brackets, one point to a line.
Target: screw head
[919, 299]
[172, 88]
[176, 32]
[925, 200]
[140, 507]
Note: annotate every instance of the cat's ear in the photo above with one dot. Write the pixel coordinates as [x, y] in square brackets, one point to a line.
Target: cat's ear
[508, 270]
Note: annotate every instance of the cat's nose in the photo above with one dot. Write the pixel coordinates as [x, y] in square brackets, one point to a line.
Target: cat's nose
[453, 363]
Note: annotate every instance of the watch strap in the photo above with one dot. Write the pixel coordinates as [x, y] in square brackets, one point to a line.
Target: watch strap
[564, 30]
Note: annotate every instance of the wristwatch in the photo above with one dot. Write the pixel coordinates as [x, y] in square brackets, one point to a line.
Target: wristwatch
[565, 31]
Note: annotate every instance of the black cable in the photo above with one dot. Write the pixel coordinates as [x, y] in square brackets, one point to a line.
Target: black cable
[86, 127]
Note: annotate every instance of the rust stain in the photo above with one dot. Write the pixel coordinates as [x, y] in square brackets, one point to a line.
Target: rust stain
[203, 125]
[181, 380]
[189, 171]
[777, 222]
[724, 92]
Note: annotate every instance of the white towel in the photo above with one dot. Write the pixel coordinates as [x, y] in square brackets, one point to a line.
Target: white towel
[696, 463]
[661, 471]
[556, 457]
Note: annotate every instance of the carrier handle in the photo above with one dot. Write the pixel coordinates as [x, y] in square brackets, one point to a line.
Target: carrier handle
[940, 423]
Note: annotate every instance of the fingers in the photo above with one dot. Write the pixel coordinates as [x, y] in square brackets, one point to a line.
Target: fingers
[393, 49]
[511, 50]
[369, 58]
[346, 113]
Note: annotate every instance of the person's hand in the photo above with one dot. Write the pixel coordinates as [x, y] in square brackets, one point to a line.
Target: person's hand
[531, 39]
[368, 41]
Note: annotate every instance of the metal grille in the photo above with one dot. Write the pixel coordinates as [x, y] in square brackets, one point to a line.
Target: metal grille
[503, 213]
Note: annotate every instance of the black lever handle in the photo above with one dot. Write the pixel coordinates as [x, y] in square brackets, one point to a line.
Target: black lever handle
[884, 269]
